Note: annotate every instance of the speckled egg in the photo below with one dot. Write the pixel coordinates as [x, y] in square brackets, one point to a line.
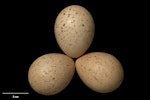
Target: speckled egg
[51, 73]
[101, 72]
[74, 30]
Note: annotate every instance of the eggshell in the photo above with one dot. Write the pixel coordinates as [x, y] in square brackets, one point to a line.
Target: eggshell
[74, 30]
[100, 71]
[51, 73]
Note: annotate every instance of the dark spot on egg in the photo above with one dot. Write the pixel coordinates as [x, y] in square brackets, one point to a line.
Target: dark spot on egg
[53, 78]
[70, 44]
[89, 70]
[67, 65]
[69, 8]
[69, 15]
[82, 25]
[95, 78]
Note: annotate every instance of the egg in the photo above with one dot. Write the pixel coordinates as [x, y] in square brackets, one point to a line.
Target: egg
[100, 71]
[74, 30]
[49, 74]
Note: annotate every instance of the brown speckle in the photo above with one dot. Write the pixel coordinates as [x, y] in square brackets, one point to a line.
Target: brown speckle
[95, 78]
[68, 15]
[63, 24]
[70, 44]
[53, 78]
[62, 29]
[84, 68]
[61, 38]
[45, 72]
[89, 70]
[67, 65]
[54, 71]
[73, 21]
[82, 25]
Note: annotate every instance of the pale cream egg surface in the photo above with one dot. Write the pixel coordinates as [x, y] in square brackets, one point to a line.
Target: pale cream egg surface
[101, 72]
[74, 30]
[50, 74]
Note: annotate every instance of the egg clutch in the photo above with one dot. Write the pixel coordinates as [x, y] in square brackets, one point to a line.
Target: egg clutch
[74, 31]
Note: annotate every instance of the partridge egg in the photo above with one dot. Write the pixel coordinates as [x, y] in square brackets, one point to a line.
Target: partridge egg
[74, 30]
[51, 73]
[101, 72]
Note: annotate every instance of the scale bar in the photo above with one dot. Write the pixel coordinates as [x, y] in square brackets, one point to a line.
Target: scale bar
[15, 92]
